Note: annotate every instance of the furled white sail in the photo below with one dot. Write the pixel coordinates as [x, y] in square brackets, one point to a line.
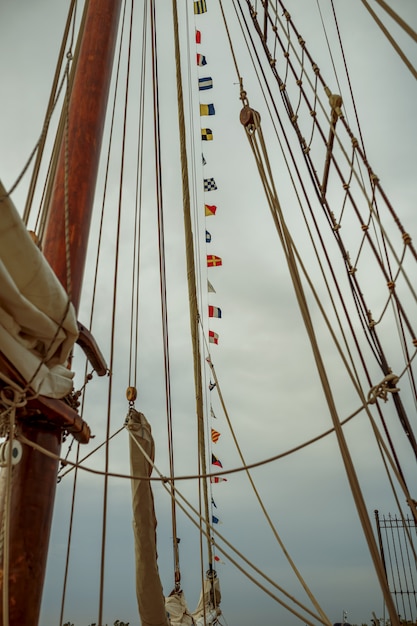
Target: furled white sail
[151, 600]
[177, 609]
[179, 614]
[154, 609]
[208, 608]
[38, 325]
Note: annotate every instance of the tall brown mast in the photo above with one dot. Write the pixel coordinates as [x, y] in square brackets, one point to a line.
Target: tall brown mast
[34, 477]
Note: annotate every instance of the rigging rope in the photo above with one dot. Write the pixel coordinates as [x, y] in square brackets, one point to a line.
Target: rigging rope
[16, 400]
[398, 19]
[358, 293]
[252, 130]
[262, 505]
[162, 271]
[204, 472]
[208, 532]
[113, 324]
[106, 442]
[53, 98]
[192, 288]
[390, 38]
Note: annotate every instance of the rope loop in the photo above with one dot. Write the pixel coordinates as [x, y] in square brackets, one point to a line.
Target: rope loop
[336, 102]
[12, 397]
[383, 389]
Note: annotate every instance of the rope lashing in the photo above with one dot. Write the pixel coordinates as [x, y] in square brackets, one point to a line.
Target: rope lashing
[335, 102]
[383, 389]
[11, 398]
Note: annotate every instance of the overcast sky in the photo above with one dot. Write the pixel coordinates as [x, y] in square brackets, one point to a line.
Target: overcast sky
[263, 361]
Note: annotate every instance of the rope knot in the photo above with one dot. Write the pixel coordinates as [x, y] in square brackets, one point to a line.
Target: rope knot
[336, 102]
[386, 386]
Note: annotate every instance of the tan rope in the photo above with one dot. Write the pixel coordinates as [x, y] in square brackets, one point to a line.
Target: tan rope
[175, 494]
[232, 51]
[265, 512]
[113, 331]
[163, 288]
[252, 132]
[14, 401]
[256, 464]
[390, 38]
[192, 287]
[402, 23]
[54, 94]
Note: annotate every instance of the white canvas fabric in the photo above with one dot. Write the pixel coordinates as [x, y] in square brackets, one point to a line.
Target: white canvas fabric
[209, 602]
[151, 601]
[37, 327]
[177, 609]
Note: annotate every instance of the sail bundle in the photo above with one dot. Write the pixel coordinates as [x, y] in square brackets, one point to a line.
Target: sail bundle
[151, 601]
[154, 609]
[38, 325]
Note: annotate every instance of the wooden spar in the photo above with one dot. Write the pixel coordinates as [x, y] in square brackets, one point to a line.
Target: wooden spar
[34, 478]
[85, 126]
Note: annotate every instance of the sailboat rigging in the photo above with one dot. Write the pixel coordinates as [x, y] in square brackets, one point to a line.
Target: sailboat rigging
[208, 172]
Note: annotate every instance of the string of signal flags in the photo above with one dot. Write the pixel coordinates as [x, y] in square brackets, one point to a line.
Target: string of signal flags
[207, 109]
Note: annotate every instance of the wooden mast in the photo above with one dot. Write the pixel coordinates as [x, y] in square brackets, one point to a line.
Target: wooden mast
[34, 478]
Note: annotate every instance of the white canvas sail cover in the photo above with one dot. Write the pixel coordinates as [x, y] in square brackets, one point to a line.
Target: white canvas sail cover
[179, 614]
[208, 608]
[151, 600]
[177, 609]
[37, 327]
[154, 609]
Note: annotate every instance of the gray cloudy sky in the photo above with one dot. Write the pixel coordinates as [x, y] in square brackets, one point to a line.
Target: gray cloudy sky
[264, 363]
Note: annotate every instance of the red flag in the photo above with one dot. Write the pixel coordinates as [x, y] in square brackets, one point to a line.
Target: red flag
[213, 260]
[217, 479]
[197, 36]
[210, 209]
[213, 337]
